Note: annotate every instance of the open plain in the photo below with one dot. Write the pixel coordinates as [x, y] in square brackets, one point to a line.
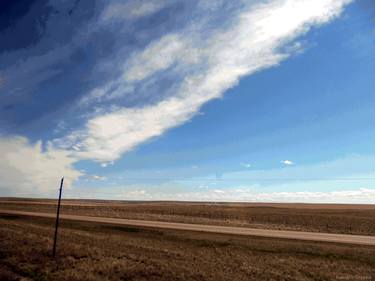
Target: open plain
[327, 218]
[95, 251]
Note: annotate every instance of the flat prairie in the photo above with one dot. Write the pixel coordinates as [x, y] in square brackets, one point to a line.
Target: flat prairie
[90, 251]
[327, 218]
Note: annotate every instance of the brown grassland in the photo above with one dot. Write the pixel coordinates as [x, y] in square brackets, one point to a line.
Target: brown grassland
[89, 251]
[105, 252]
[348, 219]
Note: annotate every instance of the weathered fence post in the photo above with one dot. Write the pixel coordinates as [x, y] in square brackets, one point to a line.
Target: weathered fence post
[57, 218]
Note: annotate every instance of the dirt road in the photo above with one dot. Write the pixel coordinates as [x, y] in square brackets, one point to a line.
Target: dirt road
[296, 235]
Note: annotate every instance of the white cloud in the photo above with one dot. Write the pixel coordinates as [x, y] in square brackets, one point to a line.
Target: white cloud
[135, 194]
[219, 58]
[362, 195]
[246, 165]
[159, 56]
[287, 162]
[235, 194]
[106, 164]
[25, 169]
[118, 10]
[98, 178]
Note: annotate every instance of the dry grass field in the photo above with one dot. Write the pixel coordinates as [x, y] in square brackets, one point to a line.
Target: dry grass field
[88, 251]
[348, 219]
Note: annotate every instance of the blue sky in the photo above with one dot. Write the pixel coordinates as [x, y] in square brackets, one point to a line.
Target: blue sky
[189, 100]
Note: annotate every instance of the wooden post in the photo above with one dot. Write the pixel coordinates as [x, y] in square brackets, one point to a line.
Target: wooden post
[57, 218]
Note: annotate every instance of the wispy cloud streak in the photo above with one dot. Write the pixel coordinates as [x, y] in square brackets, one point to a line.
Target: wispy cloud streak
[205, 62]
